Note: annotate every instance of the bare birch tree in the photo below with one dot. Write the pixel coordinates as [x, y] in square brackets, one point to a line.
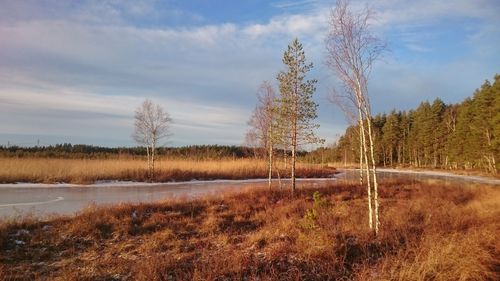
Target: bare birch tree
[152, 123]
[352, 49]
[295, 107]
[262, 122]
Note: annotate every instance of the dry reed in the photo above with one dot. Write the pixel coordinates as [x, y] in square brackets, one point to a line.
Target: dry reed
[82, 171]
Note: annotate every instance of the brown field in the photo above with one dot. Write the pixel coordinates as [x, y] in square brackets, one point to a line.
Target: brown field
[82, 171]
[429, 231]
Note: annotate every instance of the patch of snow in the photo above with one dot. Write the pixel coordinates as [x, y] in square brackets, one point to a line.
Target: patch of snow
[46, 227]
[21, 232]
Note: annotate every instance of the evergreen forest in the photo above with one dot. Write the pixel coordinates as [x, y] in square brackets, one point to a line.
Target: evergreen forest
[434, 135]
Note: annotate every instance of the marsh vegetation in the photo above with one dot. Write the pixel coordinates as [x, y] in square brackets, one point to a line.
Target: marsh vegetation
[429, 231]
[85, 171]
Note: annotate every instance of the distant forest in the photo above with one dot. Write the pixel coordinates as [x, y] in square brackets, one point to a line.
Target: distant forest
[436, 135]
[83, 151]
[67, 150]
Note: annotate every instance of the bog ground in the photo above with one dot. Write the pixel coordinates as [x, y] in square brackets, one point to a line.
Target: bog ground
[430, 231]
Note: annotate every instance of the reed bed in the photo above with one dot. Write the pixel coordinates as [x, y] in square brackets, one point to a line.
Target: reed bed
[84, 171]
[428, 232]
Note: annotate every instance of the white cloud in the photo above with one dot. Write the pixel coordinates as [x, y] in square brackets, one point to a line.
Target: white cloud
[290, 25]
[95, 60]
[73, 112]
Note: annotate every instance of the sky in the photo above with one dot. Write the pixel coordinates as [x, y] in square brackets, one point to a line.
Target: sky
[75, 71]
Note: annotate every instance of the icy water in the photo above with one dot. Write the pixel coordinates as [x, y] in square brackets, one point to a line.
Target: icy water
[46, 199]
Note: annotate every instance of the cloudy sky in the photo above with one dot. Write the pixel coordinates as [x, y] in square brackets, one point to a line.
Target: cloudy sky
[74, 71]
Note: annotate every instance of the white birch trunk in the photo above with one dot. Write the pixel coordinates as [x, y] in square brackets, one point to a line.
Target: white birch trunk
[149, 161]
[374, 169]
[364, 152]
[270, 157]
[293, 166]
[153, 148]
[360, 150]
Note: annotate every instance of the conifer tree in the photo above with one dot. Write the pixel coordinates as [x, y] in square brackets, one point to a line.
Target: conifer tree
[455, 136]
[391, 136]
[482, 126]
[495, 121]
[437, 131]
[295, 107]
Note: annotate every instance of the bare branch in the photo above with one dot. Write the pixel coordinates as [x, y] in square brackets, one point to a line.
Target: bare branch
[151, 124]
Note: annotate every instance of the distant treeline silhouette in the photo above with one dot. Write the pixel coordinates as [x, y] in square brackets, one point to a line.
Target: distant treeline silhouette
[84, 151]
[68, 150]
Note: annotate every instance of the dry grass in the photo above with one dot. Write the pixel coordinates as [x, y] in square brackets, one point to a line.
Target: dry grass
[429, 232]
[90, 170]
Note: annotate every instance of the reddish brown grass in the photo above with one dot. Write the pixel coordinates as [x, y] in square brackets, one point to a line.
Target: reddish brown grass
[428, 232]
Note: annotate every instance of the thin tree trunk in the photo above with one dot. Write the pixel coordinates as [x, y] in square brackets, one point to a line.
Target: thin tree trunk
[278, 174]
[491, 160]
[361, 151]
[285, 158]
[365, 162]
[374, 169]
[149, 162]
[293, 165]
[153, 148]
[270, 158]
[494, 163]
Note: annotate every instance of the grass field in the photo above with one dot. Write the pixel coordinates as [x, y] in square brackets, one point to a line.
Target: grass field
[49, 170]
[429, 231]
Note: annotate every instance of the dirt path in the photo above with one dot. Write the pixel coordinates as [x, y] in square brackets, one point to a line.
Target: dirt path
[442, 174]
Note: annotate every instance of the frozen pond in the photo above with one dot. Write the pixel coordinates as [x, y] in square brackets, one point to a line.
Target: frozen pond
[46, 199]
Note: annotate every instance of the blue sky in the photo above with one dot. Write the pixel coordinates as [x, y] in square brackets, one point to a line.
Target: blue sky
[74, 71]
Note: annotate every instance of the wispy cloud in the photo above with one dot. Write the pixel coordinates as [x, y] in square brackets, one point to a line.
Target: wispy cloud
[418, 48]
[102, 58]
[292, 4]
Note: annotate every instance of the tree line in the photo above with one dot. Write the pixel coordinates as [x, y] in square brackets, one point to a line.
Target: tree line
[83, 151]
[433, 135]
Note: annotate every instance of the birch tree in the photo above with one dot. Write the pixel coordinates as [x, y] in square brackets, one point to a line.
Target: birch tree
[351, 51]
[262, 122]
[152, 123]
[295, 107]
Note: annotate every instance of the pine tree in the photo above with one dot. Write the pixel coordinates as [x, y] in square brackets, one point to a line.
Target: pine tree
[438, 132]
[463, 140]
[481, 126]
[391, 134]
[495, 121]
[295, 107]
[449, 124]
